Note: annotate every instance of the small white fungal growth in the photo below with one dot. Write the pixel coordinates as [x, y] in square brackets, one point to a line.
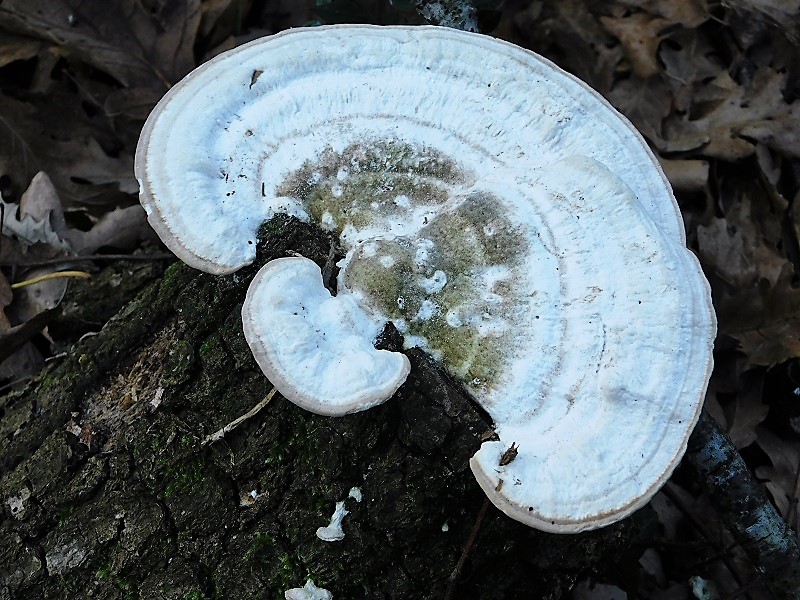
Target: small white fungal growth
[333, 532]
[308, 592]
[16, 504]
[497, 210]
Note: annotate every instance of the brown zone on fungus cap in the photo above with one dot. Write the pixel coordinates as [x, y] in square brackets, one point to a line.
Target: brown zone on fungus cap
[387, 273]
[364, 180]
[359, 186]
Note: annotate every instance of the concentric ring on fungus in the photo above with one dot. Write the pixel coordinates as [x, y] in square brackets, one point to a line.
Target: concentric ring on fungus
[497, 210]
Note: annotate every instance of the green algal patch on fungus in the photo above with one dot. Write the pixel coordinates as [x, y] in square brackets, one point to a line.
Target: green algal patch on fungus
[445, 279]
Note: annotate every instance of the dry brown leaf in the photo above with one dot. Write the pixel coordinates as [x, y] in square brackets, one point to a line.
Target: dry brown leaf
[135, 44]
[781, 479]
[41, 220]
[742, 247]
[14, 47]
[764, 319]
[645, 103]
[689, 59]
[55, 135]
[736, 254]
[640, 34]
[738, 118]
[689, 13]
[747, 411]
[686, 175]
[122, 228]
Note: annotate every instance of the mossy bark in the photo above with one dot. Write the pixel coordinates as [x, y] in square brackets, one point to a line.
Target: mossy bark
[109, 492]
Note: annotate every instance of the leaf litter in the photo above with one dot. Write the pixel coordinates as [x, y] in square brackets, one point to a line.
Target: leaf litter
[712, 86]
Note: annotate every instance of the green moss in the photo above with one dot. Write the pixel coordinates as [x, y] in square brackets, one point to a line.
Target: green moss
[47, 381]
[68, 583]
[261, 542]
[182, 478]
[205, 348]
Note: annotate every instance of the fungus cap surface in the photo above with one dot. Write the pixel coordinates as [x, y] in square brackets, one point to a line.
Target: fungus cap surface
[315, 348]
[497, 210]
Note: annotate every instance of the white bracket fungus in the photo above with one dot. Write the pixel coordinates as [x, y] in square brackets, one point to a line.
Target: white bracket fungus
[308, 592]
[498, 211]
[333, 532]
[316, 348]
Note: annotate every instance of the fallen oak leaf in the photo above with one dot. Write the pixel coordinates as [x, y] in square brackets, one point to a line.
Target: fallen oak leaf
[41, 220]
[63, 142]
[781, 479]
[741, 117]
[688, 13]
[15, 337]
[122, 38]
[640, 34]
[14, 48]
[764, 319]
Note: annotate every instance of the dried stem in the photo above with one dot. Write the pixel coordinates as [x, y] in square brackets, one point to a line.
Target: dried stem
[454, 576]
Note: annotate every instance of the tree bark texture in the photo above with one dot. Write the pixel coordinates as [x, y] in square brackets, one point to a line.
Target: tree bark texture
[741, 503]
[108, 490]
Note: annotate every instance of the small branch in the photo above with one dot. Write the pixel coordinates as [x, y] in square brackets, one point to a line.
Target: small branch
[49, 276]
[721, 553]
[221, 433]
[454, 576]
[742, 505]
[92, 258]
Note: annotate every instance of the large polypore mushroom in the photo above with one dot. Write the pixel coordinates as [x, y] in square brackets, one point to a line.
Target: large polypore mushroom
[498, 211]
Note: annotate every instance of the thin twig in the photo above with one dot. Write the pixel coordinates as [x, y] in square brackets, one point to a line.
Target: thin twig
[221, 433]
[701, 528]
[454, 576]
[91, 258]
[49, 276]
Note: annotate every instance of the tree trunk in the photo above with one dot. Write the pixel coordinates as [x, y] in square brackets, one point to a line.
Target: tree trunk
[112, 488]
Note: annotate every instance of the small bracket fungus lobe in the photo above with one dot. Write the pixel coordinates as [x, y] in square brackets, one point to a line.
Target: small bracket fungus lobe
[498, 211]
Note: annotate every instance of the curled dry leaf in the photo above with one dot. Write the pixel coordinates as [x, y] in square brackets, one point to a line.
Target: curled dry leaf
[764, 319]
[123, 38]
[782, 477]
[742, 115]
[39, 218]
[689, 13]
[645, 103]
[747, 411]
[640, 34]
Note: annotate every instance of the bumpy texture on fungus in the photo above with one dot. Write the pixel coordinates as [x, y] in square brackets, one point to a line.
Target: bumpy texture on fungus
[496, 209]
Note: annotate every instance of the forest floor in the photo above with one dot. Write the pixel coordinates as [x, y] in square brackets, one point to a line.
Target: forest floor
[712, 86]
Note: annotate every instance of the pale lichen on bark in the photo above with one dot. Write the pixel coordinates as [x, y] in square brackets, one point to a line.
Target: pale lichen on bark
[456, 14]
